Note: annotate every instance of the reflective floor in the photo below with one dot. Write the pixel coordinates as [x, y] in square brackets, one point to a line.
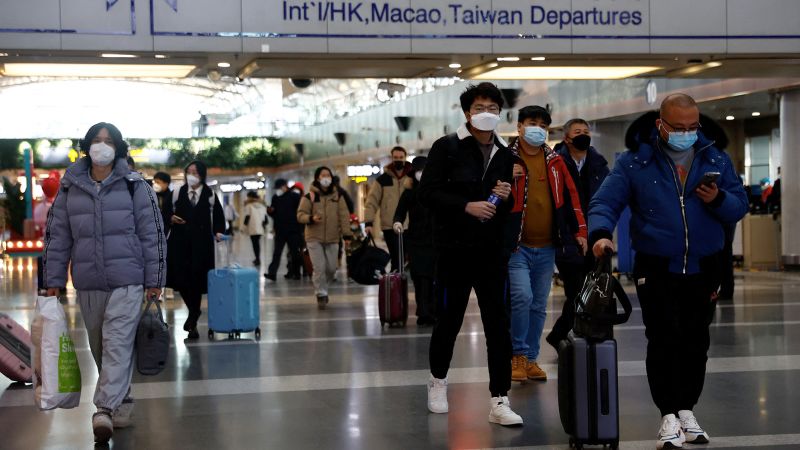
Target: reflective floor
[334, 379]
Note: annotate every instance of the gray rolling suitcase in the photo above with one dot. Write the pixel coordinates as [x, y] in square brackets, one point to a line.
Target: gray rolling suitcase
[587, 391]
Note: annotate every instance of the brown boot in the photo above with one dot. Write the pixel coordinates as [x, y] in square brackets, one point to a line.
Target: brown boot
[535, 372]
[518, 365]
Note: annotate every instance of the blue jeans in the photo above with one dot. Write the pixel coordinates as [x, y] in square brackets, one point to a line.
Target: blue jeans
[530, 275]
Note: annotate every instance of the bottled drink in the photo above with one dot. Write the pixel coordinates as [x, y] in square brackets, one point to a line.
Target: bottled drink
[493, 199]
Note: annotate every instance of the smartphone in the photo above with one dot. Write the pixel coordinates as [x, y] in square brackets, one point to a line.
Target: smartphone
[180, 219]
[708, 178]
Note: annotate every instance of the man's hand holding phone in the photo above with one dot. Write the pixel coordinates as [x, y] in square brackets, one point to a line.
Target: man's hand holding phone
[707, 189]
[178, 220]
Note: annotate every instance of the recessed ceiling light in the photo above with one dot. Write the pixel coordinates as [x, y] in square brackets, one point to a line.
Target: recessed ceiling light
[161, 56]
[117, 55]
[3, 54]
[97, 70]
[508, 58]
[729, 117]
[538, 58]
[564, 73]
[756, 113]
[224, 64]
[455, 66]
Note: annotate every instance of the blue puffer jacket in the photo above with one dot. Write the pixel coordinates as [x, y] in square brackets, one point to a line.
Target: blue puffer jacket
[112, 237]
[663, 223]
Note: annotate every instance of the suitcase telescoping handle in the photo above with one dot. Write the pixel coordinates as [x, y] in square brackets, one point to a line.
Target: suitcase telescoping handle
[401, 258]
[225, 241]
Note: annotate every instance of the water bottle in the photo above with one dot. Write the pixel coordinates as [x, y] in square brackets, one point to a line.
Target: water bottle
[493, 199]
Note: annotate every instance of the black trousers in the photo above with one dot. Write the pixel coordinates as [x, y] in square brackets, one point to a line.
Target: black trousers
[457, 273]
[424, 295]
[255, 239]
[677, 311]
[192, 296]
[392, 241]
[295, 244]
[573, 276]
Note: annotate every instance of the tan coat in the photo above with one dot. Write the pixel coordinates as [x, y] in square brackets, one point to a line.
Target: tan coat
[384, 194]
[335, 221]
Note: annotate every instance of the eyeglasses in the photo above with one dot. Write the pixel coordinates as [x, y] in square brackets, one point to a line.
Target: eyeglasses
[477, 109]
[691, 129]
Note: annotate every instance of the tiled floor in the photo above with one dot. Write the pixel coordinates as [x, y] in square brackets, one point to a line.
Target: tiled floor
[335, 380]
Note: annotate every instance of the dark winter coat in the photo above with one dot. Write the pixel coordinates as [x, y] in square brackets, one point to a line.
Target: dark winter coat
[191, 245]
[419, 235]
[165, 205]
[453, 177]
[283, 211]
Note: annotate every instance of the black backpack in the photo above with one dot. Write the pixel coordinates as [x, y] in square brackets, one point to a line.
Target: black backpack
[596, 304]
[367, 263]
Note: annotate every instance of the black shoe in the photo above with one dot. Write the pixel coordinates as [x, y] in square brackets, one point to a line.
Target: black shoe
[322, 301]
[269, 277]
[292, 276]
[256, 262]
[553, 340]
[193, 334]
[189, 324]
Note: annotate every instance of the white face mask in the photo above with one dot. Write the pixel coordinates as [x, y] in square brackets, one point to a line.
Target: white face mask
[192, 180]
[418, 176]
[325, 182]
[157, 187]
[279, 192]
[101, 153]
[485, 121]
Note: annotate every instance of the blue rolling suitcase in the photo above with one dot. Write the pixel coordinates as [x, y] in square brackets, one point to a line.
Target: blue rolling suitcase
[233, 301]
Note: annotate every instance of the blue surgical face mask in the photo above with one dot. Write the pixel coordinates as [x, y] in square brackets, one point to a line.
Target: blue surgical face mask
[682, 141]
[535, 136]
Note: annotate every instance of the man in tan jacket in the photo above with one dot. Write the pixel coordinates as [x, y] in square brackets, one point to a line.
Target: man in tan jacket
[384, 194]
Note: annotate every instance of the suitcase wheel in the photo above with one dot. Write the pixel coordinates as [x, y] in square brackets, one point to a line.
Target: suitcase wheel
[237, 335]
[211, 335]
[258, 333]
[230, 335]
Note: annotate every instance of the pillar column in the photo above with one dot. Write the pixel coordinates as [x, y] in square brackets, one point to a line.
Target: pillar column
[790, 178]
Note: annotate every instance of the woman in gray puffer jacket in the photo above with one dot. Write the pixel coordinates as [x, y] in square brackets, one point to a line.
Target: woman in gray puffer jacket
[105, 221]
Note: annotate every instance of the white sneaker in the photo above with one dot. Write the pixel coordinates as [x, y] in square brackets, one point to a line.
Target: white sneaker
[691, 429]
[500, 412]
[123, 415]
[670, 435]
[437, 395]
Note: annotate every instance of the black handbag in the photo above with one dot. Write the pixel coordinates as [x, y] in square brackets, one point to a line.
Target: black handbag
[596, 304]
[367, 263]
[152, 340]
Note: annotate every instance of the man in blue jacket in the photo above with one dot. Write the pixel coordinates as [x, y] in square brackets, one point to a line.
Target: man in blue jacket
[677, 230]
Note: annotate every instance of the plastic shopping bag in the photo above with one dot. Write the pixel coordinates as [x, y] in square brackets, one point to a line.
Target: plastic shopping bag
[57, 376]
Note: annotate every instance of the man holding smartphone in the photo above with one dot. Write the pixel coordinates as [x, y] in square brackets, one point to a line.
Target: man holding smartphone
[678, 215]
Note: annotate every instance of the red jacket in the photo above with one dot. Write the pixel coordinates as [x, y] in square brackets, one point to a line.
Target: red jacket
[569, 222]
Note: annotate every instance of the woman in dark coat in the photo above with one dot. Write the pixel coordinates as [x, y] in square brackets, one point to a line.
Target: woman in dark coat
[190, 247]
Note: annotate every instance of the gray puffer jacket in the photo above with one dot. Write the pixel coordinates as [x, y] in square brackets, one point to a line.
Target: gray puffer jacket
[113, 236]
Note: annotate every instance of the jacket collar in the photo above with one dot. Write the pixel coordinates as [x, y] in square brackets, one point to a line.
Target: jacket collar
[549, 154]
[703, 148]
[463, 133]
[593, 157]
[389, 169]
[78, 174]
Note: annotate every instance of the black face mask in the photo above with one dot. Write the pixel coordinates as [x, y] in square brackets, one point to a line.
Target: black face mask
[399, 165]
[582, 142]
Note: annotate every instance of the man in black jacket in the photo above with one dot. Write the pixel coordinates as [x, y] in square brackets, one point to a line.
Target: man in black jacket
[463, 170]
[588, 169]
[283, 211]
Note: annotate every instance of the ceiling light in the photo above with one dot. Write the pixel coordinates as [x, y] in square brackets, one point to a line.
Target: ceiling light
[455, 66]
[97, 70]
[3, 54]
[224, 65]
[756, 113]
[694, 69]
[538, 58]
[117, 55]
[564, 73]
[729, 117]
[508, 59]
[161, 56]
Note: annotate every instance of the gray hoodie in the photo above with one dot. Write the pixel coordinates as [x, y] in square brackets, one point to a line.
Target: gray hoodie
[113, 235]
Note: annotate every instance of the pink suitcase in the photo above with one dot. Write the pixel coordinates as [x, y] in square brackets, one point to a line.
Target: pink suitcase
[393, 295]
[15, 350]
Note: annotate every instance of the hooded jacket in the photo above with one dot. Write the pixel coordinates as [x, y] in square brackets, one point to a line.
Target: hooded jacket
[568, 220]
[384, 194]
[112, 236]
[666, 221]
[335, 221]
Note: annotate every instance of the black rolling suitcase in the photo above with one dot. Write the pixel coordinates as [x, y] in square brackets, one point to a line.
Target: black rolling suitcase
[587, 391]
[588, 399]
